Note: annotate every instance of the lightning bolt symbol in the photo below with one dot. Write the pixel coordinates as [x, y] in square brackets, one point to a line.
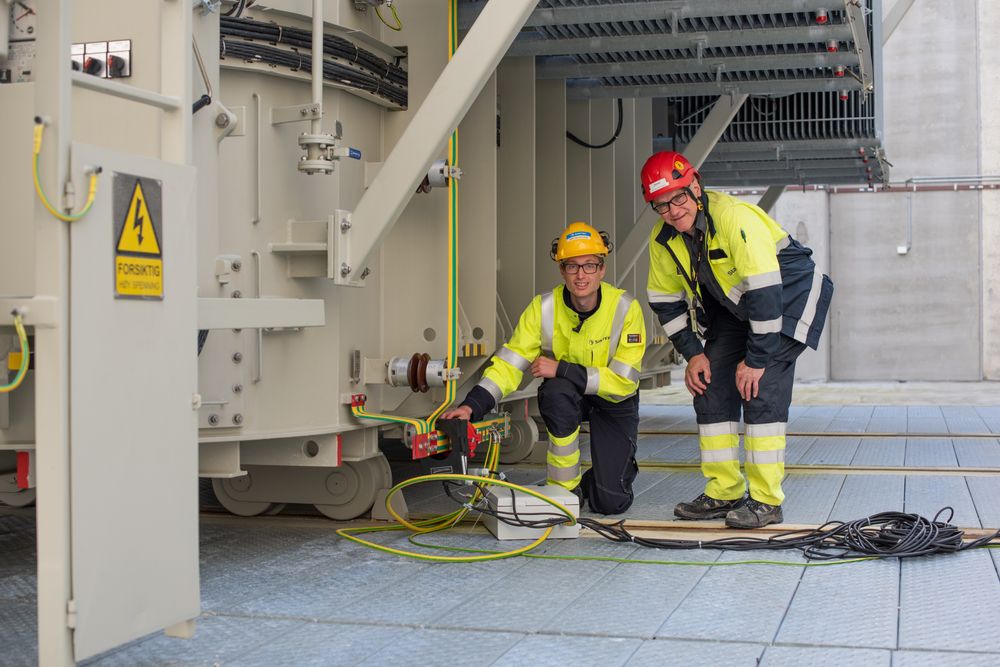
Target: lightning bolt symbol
[138, 219]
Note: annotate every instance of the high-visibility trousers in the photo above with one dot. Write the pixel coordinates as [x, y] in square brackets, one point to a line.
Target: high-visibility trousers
[766, 417]
[614, 429]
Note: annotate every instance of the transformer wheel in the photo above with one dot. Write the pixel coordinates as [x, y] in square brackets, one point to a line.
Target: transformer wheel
[226, 491]
[353, 486]
[22, 498]
[517, 446]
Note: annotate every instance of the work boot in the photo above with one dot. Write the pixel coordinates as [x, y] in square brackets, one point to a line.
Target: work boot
[754, 514]
[704, 507]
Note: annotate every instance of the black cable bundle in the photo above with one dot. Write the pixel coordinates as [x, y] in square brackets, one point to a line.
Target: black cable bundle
[882, 535]
[333, 46]
[254, 52]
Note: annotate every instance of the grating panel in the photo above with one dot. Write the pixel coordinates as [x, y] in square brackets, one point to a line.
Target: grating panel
[634, 600]
[658, 502]
[925, 419]
[672, 652]
[880, 452]
[794, 656]
[864, 614]
[852, 419]
[19, 633]
[986, 495]
[926, 496]
[937, 452]
[888, 419]
[831, 451]
[674, 449]
[557, 651]
[722, 603]
[331, 644]
[796, 446]
[217, 639]
[949, 602]
[809, 498]
[441, 647]
[978, 453]
[991, 416]
[963, 419]
[942, 659]
[864, 495]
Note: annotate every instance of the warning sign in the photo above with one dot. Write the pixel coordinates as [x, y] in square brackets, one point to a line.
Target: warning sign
[138, 237]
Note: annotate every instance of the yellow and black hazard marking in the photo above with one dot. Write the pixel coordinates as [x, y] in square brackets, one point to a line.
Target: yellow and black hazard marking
[138, 244]
[473, 350]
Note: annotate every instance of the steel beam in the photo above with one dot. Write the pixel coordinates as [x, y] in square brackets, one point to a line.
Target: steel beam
[776, 87]
[845, 160]
[894, 17]
[528, 44]
[770, 198]
[859, 32]
[566, 68]
[446, 104]
[669, 10]
[701, 145]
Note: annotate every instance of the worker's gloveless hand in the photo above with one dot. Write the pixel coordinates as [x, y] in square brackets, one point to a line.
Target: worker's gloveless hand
[461, 412]
[543, 367]
[747, 380]
[698, 374]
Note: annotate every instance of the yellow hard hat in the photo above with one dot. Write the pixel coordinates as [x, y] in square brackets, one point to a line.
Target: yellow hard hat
[579, 239]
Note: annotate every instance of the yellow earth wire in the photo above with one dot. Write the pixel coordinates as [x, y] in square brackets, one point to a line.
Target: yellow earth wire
[448, 520]
[22, 371]
[91, 189]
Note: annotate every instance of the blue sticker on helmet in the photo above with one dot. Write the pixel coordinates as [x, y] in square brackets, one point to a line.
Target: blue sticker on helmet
[577, 235]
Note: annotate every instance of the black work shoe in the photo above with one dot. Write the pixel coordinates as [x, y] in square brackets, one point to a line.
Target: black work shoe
[704, 507]
[754, 514]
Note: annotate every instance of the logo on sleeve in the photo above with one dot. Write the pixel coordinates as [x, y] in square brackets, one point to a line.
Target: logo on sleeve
[634, 338]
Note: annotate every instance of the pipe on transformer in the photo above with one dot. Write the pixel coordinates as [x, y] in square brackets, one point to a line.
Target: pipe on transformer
[446, 104]
[317, 67]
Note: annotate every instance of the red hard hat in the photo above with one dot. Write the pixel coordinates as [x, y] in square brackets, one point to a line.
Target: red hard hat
[665, 172]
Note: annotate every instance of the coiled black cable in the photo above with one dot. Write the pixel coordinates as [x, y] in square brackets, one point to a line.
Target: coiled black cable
[882, 535]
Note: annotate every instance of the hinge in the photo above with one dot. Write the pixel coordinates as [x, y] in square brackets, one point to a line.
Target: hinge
[71, 614]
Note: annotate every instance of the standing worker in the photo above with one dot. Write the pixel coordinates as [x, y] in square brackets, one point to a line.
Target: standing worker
[586, 338]
[723, 264]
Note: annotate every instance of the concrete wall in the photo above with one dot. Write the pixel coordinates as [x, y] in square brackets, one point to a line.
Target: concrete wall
[989, 157]
[806, 216]
[920, 316]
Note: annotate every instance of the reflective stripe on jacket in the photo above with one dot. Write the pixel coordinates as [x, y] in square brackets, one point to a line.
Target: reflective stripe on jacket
[767, 278]
[609, 345]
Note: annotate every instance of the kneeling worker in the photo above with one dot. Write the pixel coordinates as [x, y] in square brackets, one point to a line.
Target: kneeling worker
[586, 338]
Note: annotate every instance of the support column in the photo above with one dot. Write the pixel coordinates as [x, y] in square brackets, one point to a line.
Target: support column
[516, 242]
[52, 99]
[550, 176]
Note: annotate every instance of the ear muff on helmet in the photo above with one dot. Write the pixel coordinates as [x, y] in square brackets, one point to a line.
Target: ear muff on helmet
[555, 248]
[607, 241]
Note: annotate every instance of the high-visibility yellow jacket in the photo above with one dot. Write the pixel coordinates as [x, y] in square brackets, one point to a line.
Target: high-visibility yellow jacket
[759, 273]
[603, 354]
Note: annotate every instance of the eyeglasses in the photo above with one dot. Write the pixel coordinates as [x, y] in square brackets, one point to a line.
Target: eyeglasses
[589, 267]
[678, 200]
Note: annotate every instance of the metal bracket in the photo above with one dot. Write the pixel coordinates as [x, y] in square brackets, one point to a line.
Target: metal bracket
[295, 113]
[339, 266]
[856, 19]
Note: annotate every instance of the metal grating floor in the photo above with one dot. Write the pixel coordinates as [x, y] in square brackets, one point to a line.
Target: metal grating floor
[285, 590]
